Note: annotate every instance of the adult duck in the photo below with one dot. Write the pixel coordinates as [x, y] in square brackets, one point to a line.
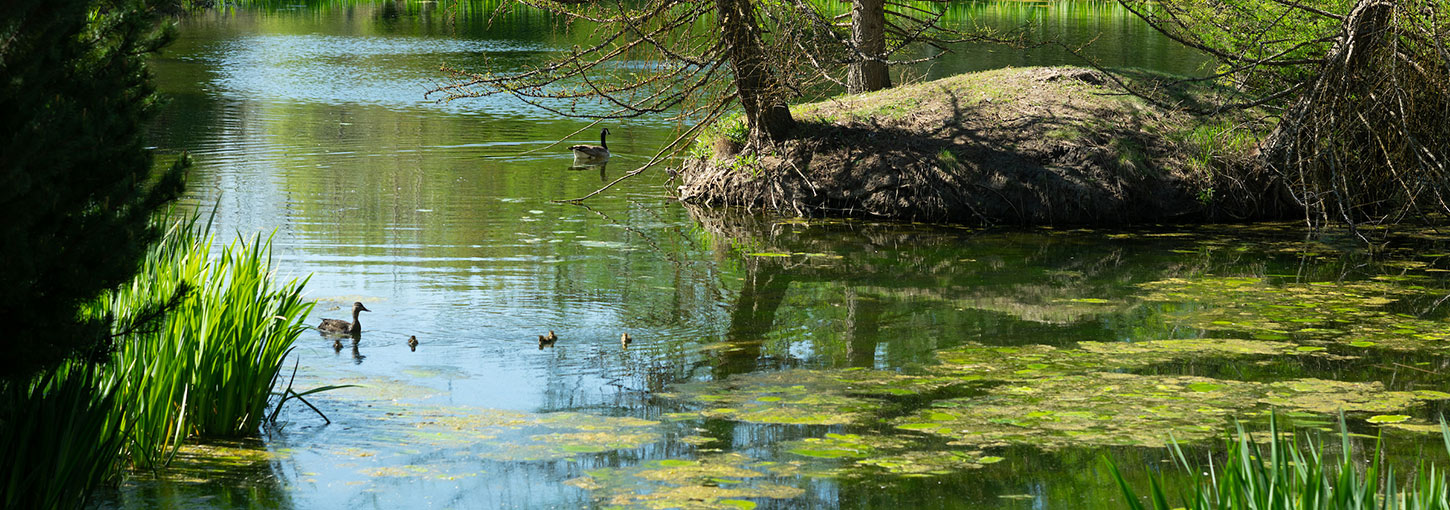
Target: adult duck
[547, 341]
[342, 327]
[592, 154]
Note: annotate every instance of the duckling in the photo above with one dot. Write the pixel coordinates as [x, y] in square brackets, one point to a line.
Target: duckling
[341, 327]
[413, 343]
[592, 154]
[551, 337]
[547, 340]
[624, 340]
[337, 345]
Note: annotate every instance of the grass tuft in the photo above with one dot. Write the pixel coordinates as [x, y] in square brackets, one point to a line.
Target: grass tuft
[199, 345]
[1283, 475]
[208, 366]
[62, 437]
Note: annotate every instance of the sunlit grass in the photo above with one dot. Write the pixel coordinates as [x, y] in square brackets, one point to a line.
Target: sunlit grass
[1283, 475]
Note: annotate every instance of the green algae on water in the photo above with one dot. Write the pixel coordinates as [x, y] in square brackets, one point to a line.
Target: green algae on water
[835, 446]
[802, 397]
[1003, 363]
[1107, 408]
[1351, 313]
[1038, 395]
[721, 481]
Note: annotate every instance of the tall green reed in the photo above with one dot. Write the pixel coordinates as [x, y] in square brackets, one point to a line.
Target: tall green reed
[199, 348]
[1282, 475]
[244, 326]
[61, 437]
[209, 364]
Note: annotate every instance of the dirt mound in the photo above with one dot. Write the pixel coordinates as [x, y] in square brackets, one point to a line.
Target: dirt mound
[1030, 146]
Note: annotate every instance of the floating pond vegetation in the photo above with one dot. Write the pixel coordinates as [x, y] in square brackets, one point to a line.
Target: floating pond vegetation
[721, 481]
[929, 462]
[835, 446]
[1387, 418]
[1108, 408]
[530, 436]
[803, 397]
[1156, 351]
[1353, 313]
[1033, 394]
[860, 455]
[408, 426]
[238, 462]
[974, 362]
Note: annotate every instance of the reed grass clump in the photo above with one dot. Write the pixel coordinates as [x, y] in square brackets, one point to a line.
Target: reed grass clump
[198, 348]
[1282, 475]
[208, 365]
[61, 437]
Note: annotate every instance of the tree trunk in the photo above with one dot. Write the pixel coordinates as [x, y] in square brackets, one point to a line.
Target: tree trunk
[760, 92]
[1342, 67]
[868, 33]
[1295, 151]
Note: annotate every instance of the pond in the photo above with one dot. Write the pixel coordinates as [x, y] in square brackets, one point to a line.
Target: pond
[774, 362]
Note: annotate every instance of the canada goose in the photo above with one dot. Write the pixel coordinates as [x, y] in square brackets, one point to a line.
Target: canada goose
[413, 343]
[624, 340]
[584, 154]
[341, 327]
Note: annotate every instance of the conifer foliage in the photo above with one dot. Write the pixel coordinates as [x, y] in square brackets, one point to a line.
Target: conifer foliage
[77, 183]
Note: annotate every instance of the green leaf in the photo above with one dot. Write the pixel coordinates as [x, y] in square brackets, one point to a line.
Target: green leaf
[1387, 418]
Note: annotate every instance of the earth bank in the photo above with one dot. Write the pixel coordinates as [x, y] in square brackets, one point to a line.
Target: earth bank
[1039, 145]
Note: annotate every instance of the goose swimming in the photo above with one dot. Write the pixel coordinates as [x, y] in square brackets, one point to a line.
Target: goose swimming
[592, 154]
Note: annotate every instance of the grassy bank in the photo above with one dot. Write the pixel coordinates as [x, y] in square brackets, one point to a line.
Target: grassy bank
[198, 346]
[1047, 145]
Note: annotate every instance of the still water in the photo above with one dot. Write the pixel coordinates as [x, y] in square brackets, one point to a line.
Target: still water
[775, 363]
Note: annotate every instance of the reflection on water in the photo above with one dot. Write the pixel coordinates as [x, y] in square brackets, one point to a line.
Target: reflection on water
[440, 217]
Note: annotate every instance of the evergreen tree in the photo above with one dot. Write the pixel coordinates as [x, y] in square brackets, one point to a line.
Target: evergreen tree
[77, 184]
